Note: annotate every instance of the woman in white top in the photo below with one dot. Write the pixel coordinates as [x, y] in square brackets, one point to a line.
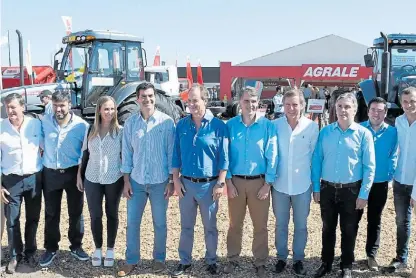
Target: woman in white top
[101, 165]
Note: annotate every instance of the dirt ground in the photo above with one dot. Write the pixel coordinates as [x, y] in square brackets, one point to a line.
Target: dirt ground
[66, 266]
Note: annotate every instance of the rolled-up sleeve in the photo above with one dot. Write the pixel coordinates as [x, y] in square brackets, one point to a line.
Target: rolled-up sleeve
[176, 154]
[369, 165]
[271, 153]
[317, 160]
[223, 148]
[126, 150]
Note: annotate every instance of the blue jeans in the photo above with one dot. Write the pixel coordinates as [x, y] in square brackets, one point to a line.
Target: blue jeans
[198, 194]
[281, 209]
[401, 193]
[135, 209]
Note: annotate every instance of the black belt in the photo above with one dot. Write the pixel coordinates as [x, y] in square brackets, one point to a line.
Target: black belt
[249, 177]
[200, 179]
[63, 171]
[341, 185]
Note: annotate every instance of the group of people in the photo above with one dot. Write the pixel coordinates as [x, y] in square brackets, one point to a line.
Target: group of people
[289, 161]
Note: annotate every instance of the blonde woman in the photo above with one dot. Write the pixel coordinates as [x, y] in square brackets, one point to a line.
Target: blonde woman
[101, 165]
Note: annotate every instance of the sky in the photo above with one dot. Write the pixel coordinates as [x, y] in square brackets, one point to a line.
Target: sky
[208, 31]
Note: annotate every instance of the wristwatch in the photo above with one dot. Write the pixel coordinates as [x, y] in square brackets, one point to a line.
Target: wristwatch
[220, 184]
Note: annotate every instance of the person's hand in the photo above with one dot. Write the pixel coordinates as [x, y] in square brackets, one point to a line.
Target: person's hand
[127, 191]
[360, 203]
[168, 190]
[179, 188]
[4, 194]
[264, 192]
[231, 189]
[317, 197]
[217, 192]
[80, 185]
[412, 202]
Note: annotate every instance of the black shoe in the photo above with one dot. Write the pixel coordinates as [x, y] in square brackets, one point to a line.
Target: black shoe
[212, 269]
[323, 270]
[280, 266]
[47, 258]
[261, 271]
[395, 265]
[80, 254]
[346, 273]
[30, 260]
[180, 270]
[299, 269]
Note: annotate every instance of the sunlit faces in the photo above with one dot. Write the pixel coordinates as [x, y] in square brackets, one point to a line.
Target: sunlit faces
[377, 113]
[61, 109]
[293, 107]
[107, 111]
[146, 99]
[249, 104]
[346, 110]
[409, 103]
[14, 110]
[196, 104]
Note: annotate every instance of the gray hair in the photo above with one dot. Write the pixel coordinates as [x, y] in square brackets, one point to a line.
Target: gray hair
[202, 89]
[252, 92]
[294, 93]
[14, 96]
[409, 90]
[348, 96]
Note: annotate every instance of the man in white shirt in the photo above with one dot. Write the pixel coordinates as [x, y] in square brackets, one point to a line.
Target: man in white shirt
[278, 104]
[21, 141]
[296, 137]
[404, 191]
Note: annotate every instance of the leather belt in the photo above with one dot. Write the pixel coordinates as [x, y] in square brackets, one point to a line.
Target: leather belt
[341, 185]
[249, 177]
[197, 180]
[63, 171]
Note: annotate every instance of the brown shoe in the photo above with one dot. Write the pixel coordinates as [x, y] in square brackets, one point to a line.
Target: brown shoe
[125, 270]
[158, 267]
[261, 271]
[230, 267]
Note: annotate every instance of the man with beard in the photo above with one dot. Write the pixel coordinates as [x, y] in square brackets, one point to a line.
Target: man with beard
[253, 155]
[65, 136]
[343, 168]
[200, 154]
[21, 141]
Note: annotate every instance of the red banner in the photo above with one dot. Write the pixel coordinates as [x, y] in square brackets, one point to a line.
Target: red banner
[335, 72]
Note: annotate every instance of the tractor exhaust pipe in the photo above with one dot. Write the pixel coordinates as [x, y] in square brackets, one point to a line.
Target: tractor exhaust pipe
[19, 34]
[385, 68]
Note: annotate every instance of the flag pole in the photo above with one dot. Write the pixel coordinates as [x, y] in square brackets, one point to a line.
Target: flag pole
[8, 43]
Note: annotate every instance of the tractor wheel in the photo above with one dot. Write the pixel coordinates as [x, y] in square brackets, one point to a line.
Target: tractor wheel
[126, 109]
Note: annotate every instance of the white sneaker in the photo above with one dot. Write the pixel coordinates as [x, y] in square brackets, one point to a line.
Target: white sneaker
[96, 257]
[109, 258]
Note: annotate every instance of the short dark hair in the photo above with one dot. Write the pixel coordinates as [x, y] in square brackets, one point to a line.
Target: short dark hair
[278, 88]
[61, 96]
[378, 100]
[144, 86]
[14, 96]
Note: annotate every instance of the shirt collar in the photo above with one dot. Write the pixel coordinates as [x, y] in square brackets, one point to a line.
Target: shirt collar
[353, 126]
[152, 118]
[55, 121]
[256, 119]
[383, 125]
[208, 115]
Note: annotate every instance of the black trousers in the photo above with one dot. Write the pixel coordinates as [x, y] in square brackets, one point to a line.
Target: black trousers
[55, 182]
[29, 189]
[340, 202]
[112, 193]
[376, 202]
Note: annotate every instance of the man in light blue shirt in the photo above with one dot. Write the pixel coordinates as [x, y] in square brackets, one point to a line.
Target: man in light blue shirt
[385, 143]
[65, 137]
[343, 169]
[147, 147]
[200, 155]
[46, 99]
[253, 155]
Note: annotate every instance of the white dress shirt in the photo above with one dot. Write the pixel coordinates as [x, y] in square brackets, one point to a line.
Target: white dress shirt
[278, 103]
[21, 150]
[105, 159]
[295, 155]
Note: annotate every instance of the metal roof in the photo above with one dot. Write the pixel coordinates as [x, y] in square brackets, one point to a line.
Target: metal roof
[331, 49]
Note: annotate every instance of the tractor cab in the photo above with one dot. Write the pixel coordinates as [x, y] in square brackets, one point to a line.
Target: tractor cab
[99, 62]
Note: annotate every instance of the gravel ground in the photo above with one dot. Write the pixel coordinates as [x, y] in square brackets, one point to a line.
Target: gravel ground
[66, 266]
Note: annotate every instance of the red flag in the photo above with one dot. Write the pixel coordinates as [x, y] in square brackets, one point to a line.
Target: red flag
[199, 74]
[156, 62]
[189, 72]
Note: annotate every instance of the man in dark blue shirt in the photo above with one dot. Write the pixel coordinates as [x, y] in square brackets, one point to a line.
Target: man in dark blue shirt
[200, 155]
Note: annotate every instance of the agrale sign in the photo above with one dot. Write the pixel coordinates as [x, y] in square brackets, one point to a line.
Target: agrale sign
[331, 71]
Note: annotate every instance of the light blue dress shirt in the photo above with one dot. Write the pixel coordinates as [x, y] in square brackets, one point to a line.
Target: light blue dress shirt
[344, 157]
[63, 145]
[147, 148]
[204, 153]
[252, 149]
[386, 147]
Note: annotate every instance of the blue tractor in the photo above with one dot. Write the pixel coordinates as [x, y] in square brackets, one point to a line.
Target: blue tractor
[393, 59]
